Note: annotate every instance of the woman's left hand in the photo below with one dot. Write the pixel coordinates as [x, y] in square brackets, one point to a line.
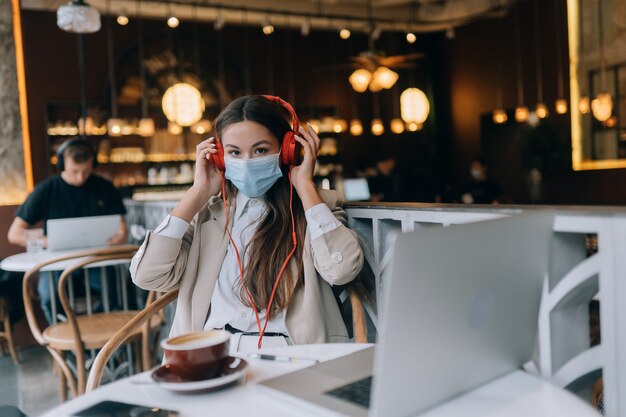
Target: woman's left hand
[302, 175]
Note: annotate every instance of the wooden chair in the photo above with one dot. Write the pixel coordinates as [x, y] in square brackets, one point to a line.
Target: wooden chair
[5, 334]
[137, 323]
[355, 293]
[79, 332]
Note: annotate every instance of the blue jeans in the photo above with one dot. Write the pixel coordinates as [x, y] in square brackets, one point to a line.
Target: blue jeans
[43, 287]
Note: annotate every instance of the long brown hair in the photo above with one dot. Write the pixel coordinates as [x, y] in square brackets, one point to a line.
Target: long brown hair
[271, 243]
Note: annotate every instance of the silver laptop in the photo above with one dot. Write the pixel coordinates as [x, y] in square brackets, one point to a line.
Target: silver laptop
[460, 310]
[81, 232]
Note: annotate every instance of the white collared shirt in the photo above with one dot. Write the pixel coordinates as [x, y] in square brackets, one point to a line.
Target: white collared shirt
[226, 308]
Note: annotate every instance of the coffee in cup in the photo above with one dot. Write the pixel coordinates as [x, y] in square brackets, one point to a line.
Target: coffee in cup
[197, 356]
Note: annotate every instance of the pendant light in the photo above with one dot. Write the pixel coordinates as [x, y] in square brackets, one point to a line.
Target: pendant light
[114, 124]
[521, 111]
[145, 126]
[499, 115]
[377, 126]
[78, 17]
[414, 106]
[584, 103]
[561, 102]
[182, 102]
[541, 109]
[202, 126]
[602, 105]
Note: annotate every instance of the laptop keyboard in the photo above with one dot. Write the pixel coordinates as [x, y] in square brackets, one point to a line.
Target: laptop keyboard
[357, 392]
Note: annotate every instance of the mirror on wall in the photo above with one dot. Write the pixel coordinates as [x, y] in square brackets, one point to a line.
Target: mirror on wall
[597, 52]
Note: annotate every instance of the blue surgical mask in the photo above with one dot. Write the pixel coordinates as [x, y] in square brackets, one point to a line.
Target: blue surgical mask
[255, 176]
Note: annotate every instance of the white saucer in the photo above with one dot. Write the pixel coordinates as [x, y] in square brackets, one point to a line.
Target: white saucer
[235, 370]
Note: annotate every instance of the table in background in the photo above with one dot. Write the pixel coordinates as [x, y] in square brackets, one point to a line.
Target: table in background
[515, 395]
[23, 262]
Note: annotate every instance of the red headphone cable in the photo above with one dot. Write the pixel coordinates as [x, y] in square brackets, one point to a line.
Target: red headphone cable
[283, 267]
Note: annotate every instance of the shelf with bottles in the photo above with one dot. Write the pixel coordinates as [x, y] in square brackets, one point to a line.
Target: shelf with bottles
[159, 143]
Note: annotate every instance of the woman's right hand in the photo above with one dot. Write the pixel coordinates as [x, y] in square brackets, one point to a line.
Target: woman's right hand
[207, 182]
[207, 179]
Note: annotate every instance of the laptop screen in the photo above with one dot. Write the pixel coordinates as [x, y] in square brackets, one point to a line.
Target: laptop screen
[356, 189]
[81, 232]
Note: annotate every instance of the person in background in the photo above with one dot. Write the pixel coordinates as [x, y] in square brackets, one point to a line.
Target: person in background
[481, 189]
[253, 246]
[391, 183]
[75, 192]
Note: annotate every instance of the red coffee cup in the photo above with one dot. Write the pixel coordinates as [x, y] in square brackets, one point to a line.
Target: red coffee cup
[197, 356]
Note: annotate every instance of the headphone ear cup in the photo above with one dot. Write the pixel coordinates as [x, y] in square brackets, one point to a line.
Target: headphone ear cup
[218, 158]
[60, 161]
[290, 150]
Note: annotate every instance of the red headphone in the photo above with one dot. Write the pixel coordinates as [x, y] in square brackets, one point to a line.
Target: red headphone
[290, 148]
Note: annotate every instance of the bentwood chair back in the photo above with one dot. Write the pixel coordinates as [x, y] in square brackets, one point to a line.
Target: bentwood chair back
[79, 332]
[139, 322]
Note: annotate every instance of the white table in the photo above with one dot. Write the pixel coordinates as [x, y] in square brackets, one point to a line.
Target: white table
[515, 395]
[22, 262]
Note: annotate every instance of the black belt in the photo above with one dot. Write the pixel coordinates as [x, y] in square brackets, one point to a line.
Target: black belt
[233, 330]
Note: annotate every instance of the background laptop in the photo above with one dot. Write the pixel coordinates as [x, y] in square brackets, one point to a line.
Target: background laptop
[460, 310]
[356, 189]
[81, 232]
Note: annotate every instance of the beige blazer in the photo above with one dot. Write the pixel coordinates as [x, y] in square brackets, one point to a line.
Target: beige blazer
[193, 264]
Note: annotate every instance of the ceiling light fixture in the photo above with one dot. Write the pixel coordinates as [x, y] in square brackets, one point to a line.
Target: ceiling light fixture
[561, 105]
[397, 126]
[173, 22]
[602, 105]
[122, 20]
[268, 28]
[78, 17]
[561, 102]
[360, 79]
[183, 104]
[410, 37]
[356, 127]
[145, 125]
[377, 127]
[414, 127]
[521, 111]
[499, 116]
[584, 105]
[414, 106]
[339, 125]
[541, 109]
[344, 34]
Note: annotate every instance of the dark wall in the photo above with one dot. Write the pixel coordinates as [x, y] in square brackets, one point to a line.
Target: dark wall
[6, 218]
[302, 69]
[475, 77]
[308, 71]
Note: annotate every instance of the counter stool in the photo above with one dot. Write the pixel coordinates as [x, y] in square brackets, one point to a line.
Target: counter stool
[5, 334]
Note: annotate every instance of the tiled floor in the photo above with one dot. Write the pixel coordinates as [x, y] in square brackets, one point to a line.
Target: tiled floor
[31, 386]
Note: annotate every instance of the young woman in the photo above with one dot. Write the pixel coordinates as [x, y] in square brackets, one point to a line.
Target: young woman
[247, 252]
